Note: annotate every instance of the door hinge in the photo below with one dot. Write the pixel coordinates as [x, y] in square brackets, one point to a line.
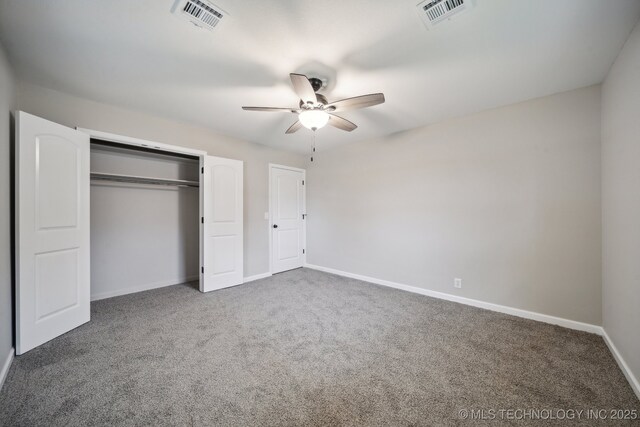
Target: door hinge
[202, 270]
[303, 251]
[303, 182]
[202, 169]
[202, 219]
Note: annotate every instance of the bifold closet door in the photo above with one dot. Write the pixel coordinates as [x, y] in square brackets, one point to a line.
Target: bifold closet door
[222, 223]
[52, 222]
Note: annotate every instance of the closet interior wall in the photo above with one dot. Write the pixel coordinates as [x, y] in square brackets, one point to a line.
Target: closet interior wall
[143, 236]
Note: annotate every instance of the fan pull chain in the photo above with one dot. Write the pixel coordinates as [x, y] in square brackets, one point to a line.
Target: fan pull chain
[313, 145]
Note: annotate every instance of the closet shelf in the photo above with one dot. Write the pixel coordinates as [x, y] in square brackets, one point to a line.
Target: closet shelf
[142, 179]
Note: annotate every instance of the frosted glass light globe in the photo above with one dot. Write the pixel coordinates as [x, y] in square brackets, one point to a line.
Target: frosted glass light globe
[313, 119]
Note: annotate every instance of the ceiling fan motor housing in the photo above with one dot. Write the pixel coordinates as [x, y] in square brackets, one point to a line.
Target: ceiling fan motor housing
[321, 100]
[316, 83]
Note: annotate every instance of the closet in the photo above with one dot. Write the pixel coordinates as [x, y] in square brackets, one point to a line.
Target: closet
[145, 218]
[99, 215]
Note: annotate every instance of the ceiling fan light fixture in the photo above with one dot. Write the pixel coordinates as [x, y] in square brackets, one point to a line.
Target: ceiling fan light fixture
[315, 111]
[313, 119]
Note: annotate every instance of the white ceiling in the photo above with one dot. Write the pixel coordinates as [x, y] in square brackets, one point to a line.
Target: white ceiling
[137, 55]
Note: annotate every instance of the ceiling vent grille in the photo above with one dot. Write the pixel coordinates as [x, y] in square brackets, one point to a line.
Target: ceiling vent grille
[435, 11]
[200, 13]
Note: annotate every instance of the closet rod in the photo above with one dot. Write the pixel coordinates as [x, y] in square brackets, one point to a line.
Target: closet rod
[142, 179]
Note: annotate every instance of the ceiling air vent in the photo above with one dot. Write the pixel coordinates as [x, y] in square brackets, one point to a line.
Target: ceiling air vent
[200, 13]
[435, 11]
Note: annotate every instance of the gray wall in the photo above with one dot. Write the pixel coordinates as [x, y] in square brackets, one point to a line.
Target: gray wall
[142, 236]
[6, 105]
[507, 199]
[72, 111]
[621, 202]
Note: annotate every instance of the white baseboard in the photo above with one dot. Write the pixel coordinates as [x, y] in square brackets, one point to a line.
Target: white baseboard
[256, 277]
[140, 288]
[5, 367]
[571, 324]
[633, 381]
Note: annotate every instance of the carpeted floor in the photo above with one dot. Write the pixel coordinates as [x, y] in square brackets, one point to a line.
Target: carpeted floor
[305, 348]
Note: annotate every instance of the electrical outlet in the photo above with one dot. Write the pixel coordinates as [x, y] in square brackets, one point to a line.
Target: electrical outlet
[457, 283]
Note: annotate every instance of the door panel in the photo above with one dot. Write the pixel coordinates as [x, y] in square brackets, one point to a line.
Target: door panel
[288, 244]
[287, 188]
[52, 219]
[224, 180]
[287, 207]
[56, 182]
[57, 285]
[224, 249]
[222, 223]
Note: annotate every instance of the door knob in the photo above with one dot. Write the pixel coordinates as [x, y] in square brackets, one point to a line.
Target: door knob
[275, 225]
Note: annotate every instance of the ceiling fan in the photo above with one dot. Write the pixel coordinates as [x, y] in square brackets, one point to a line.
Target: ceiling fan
[315, 111]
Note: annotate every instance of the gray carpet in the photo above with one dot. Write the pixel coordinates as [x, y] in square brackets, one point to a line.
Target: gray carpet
[304, 348]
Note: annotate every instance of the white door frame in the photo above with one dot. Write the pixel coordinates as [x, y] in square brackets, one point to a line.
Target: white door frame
[127, 140]
[304, 209]
[137, 142]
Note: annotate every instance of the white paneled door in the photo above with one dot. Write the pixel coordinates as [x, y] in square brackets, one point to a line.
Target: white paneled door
[52, 222]
[222, 222]
[287, 221]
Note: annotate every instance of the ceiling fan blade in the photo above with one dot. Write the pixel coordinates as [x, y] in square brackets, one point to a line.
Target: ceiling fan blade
[294, 127]
[271, 109]
[356, 102]
[340, 123]
[303, 88]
